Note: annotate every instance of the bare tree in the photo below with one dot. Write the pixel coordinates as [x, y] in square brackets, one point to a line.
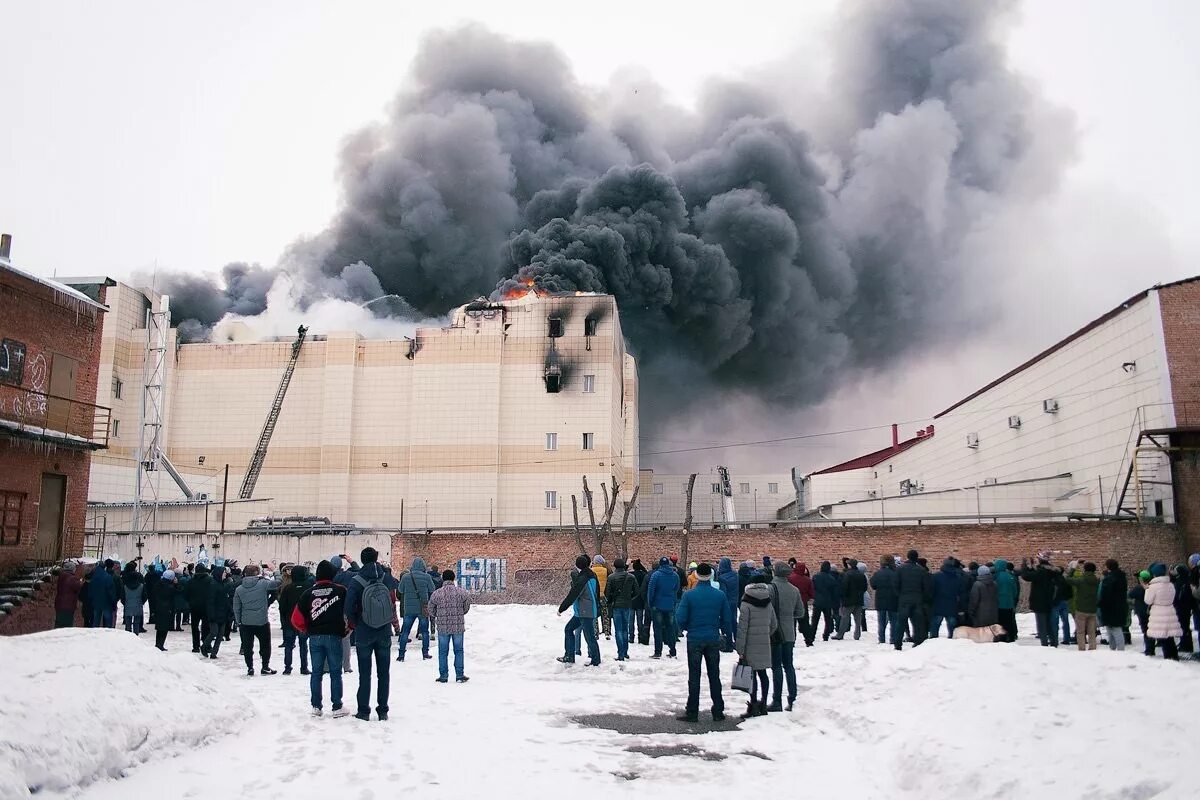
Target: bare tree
[687, 520]
[575, 517]
[610, 508]
[629, 506]
[591, 509]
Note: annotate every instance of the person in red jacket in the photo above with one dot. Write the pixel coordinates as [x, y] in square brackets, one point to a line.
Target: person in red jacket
[802, 580]
[320, 614]
[66, 596]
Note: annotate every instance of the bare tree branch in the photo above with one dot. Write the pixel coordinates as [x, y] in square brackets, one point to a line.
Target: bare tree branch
[575, 517]
[625, 521]
[591, 509]
[687, 519]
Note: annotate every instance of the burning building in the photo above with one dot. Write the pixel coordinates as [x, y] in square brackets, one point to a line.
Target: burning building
[489, 421]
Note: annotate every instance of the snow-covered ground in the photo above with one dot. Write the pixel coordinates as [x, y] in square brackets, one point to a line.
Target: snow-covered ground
[101, 714]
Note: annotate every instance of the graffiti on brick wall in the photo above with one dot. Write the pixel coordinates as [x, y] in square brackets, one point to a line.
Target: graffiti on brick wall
[12, 362]
[483, 574]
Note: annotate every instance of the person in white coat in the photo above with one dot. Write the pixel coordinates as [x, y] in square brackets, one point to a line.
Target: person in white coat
[1164, 625]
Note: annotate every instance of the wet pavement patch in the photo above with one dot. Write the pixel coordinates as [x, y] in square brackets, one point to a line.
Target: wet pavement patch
[664, 723]
[688, 750]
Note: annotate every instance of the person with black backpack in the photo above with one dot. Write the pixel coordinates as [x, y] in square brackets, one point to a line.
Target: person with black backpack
[371, 611]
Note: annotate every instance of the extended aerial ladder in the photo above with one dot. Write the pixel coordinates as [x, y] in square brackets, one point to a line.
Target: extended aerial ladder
[264, 438]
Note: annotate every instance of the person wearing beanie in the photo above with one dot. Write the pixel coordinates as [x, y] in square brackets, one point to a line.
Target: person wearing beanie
[1113, 605]
[66, 595]
[1164, 625]
[983, 608]
[662, 589]
[854, 586]
[1138, 595]
[218, 610]
[345, 569]
[288, 597]
[584, 601]
[789, 609]
[692, 579]
[196, 592]
[133, 598]
[1184, 604]
[702, 614]
[250, 602]
[603, 622]
[371, 612]
[641, 615]
[102, 592]
[164, 607]
[449, 604]
[885, 582]
[320, 615]
[619, 595]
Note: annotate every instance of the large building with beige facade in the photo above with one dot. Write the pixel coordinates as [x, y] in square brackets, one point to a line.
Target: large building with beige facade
[490, 421]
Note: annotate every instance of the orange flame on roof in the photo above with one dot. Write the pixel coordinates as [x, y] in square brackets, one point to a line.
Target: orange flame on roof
[517, 292]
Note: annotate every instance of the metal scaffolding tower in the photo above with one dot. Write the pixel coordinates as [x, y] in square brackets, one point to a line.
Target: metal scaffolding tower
[150, 430]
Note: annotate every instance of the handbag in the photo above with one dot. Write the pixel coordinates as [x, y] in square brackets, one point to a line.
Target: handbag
[743, 678]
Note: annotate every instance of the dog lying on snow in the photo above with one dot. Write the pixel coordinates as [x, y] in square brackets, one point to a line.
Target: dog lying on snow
[985, 635]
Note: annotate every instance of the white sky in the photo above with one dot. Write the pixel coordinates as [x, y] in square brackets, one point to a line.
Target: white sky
[188, 134]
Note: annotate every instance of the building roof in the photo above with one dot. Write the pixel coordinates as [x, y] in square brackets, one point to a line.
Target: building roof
[1137, 298]
[61, 288]
[877, 457]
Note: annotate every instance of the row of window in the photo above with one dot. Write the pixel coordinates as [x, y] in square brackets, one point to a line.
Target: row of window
[589, 441]
[556, 328]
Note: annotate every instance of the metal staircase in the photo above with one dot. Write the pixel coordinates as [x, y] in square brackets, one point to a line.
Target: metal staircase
[264, 438]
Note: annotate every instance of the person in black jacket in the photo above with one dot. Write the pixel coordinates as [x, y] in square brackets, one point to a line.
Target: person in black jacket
[320, 615]
[164, 612]
[914, 589]
[854, 586]
[886, 583]
[196, 591]
[621, 593]
[218, 609]
[825, 599]
[288, 597]
[1043, 587]
[641, 617]
[1113, 605]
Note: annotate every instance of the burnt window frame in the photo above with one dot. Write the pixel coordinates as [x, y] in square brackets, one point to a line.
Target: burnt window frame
[554, 327]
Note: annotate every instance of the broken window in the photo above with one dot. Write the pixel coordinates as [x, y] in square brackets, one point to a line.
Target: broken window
[556, 327]
[589, 327]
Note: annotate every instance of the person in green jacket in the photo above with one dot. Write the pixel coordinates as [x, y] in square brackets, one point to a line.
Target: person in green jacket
[1087, 587]
[1007, 594]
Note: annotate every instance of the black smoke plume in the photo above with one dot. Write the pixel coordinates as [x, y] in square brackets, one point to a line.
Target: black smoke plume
[768, 249]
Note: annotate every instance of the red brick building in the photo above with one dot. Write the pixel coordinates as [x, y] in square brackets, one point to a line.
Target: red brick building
[49, 423]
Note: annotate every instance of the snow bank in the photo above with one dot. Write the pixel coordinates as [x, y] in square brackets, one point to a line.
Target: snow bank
[77, 705]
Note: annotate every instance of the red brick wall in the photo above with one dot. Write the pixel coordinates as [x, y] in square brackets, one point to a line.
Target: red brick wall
[1181, 331]
[23, 464]
[47, 324]
[534, 556]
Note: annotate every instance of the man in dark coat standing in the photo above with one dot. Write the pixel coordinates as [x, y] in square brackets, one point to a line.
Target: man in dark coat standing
[1044, 585]
[217, 609]
[914, 587]
[854, 586]
[886, 583]
[825, 599]
[197, 592]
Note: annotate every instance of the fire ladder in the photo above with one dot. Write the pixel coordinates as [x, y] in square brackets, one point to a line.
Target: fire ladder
[264, 438]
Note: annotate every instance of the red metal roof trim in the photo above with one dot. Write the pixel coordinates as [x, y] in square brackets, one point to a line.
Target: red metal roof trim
[871, 459]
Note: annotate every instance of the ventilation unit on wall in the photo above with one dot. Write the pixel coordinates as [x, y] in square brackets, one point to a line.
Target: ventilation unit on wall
[872, 494]
[910, 486]
[1014, 421]
[202, 497]
[1050, 406]
[973, 440]
[990, 481]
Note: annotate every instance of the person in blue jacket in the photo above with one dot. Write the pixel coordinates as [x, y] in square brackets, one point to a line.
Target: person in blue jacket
[949, 587]
[704, 613]
[826, 598]
[727, 580]
[584, 601]
[102, 591]
[660, 599]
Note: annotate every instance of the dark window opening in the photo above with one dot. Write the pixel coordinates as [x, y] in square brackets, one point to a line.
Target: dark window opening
[589, 327]
[553, 378]
[556, 327]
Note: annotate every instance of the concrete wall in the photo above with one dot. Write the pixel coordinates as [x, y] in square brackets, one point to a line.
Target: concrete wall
[246, 548]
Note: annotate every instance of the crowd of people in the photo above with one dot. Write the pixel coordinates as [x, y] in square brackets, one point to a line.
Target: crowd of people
[342, 607]
[343, 614]
[762, 610]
